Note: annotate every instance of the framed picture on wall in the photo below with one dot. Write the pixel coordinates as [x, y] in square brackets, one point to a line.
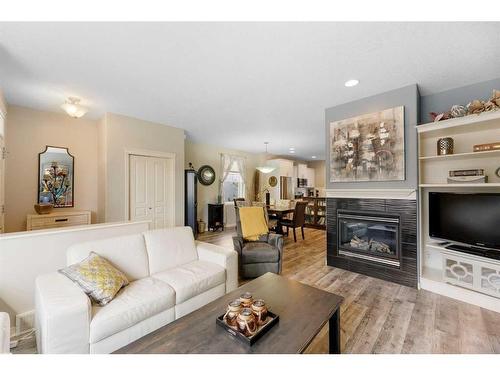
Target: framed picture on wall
[369, 147]
[56, 177]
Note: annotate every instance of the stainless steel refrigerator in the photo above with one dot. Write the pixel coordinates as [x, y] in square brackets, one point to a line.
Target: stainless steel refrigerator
[286, 188]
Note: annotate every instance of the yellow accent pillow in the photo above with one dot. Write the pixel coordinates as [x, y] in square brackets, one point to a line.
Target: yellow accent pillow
[97, 277]
[253, 223]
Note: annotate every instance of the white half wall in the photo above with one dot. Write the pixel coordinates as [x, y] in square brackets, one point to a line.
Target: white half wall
[25, 255]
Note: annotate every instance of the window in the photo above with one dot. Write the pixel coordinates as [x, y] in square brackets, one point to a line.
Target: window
[233, 187]
[233, 181]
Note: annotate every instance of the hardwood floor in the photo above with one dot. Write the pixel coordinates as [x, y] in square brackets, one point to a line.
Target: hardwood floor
[382, 317]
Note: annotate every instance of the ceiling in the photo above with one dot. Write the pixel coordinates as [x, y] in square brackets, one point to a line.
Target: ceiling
[238, 84]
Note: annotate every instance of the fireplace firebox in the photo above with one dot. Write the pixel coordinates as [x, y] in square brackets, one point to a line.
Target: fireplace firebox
[369, 236]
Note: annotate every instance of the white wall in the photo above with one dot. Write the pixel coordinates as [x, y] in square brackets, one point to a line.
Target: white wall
[24, 256]
[121, 133]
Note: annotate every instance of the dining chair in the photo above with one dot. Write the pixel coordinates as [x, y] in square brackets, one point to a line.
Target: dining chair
[297, 221]
[272, 222]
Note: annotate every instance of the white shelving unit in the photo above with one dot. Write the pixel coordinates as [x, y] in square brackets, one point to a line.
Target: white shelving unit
[436, 261]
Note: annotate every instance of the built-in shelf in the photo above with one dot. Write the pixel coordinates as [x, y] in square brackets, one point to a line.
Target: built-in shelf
[478, 185]
[484, 117]
[463, 155]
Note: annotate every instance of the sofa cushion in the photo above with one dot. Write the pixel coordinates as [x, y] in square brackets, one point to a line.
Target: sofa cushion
[259, 252]
[192, 279]
[136, 302]
[170, 247]
[127, 253]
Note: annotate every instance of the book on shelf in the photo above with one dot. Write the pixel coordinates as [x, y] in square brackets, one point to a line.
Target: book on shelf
[466, 172]
[487, 147]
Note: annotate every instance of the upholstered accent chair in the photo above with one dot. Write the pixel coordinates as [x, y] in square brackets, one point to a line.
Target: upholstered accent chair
[256, 258]
[297, 221]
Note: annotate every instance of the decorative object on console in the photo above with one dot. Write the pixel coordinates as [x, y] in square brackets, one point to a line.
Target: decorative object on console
[368, 147]
[43, 208]
[487, 147]
[273, 181]
[206, 175]
[55, 177]
[440, 116]
[445, 146]
[98, 278]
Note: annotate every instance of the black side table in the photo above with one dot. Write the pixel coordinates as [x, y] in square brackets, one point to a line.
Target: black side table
[215, 216]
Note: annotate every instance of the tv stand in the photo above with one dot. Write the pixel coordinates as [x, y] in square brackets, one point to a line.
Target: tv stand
[474, 250]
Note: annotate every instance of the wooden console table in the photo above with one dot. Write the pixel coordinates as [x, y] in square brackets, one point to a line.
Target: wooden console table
[57, 219]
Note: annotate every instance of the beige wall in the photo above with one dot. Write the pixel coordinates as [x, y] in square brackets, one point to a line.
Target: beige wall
[200, 154]
[121, 133]
[28, 131]
[319, 173]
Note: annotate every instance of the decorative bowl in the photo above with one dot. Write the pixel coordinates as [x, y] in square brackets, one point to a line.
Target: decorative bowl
[44, 208]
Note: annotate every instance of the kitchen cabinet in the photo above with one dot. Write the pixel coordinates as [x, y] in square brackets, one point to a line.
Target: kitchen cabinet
[301, 170]
[311, 177]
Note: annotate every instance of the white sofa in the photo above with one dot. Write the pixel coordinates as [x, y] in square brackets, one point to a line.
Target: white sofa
[170, 275]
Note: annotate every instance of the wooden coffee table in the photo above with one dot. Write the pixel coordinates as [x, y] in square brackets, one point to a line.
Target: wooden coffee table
[303, 311]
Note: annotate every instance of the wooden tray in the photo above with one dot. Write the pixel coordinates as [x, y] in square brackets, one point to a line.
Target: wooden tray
[272, 319]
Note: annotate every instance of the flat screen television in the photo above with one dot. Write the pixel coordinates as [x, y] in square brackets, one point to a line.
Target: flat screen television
[470, 219]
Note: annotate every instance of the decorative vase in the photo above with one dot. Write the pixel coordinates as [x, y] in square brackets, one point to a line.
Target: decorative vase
[445, 146]
[246, 322]
[43, 208]
[259, 309]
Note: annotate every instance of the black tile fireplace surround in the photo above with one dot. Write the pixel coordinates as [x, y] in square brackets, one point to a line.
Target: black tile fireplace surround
[375, 237]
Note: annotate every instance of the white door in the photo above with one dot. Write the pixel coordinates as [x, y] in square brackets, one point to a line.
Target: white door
[151, 190]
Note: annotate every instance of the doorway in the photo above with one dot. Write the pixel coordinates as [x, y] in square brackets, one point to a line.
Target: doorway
[151, 190]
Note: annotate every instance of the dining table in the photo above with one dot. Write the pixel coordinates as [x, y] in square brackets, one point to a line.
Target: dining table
[279, 212]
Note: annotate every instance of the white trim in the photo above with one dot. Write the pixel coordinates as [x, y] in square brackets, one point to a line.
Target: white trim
[79, 228]
[460, 121]
[372, 193]
[461, 294]
[155, 154]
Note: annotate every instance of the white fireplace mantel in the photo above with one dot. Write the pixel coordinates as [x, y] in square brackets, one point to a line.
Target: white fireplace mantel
[372, 193]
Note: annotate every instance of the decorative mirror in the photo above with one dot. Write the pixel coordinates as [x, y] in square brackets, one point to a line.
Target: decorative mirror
[55, 177]
[206, 175]
[273, 181]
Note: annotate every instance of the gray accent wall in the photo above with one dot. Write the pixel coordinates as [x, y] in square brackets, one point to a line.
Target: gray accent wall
[442, 101]
[408, 97]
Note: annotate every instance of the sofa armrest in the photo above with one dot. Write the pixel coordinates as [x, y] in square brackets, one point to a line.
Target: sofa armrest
[276, 240]
[63, 314]
[4, 333]
[226, 258]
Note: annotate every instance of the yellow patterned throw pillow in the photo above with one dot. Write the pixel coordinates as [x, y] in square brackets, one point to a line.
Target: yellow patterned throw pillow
[97, 277]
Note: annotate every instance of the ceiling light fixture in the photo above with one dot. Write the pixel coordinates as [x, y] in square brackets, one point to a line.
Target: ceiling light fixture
[73, 108]
[292, 151]
[266, 168]
[351, 83]
[313, 157]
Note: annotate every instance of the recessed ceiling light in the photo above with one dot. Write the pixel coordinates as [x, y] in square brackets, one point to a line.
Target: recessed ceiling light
[351, 83]
[291, 148]
[292, 151]
[313, 157]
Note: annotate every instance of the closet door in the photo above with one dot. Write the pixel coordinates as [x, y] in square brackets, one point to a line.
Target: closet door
[151, 190]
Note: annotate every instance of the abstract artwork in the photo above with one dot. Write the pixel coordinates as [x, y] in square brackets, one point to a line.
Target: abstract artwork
[369, 147]
[55, 177]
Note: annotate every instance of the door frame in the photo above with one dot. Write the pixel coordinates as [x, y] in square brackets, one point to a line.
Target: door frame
[171, 158]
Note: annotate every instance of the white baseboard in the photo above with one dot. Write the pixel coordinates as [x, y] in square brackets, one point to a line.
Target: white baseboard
[461, 294]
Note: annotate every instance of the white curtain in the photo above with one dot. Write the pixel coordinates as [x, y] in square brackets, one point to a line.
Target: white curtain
[232, 163]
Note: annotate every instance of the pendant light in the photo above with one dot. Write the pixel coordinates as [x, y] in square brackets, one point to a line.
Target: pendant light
[266, 168]
[73, 108]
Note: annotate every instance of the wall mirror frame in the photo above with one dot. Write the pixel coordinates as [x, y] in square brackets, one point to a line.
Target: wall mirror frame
[206, 175]
[56, 178]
